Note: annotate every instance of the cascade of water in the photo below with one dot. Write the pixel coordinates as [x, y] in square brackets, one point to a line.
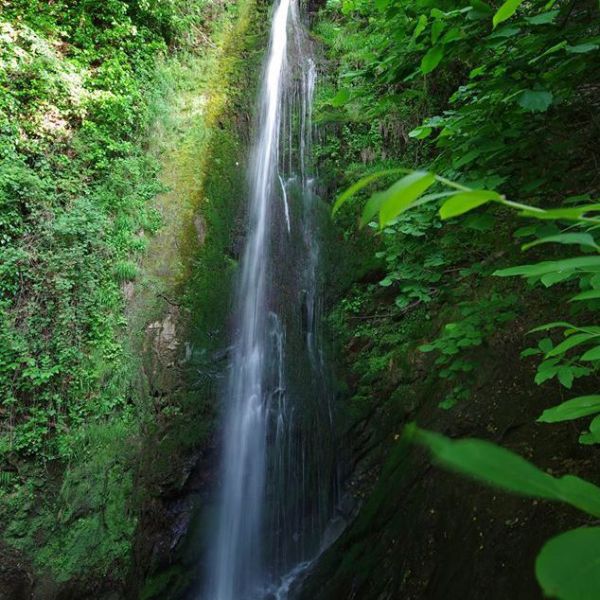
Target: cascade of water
[278, 467]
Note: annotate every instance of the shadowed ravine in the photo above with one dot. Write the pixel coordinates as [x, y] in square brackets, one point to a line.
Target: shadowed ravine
[278, 466]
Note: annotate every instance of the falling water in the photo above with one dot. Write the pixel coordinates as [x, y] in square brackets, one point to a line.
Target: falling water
[278, 467]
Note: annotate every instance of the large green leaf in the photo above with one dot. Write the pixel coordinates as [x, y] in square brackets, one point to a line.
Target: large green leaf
[582, 48]
[372, 207]
[587, 295]
[436, 30]
[578, 239]
[502, 468]
[575, 408]
[363, 183]
[543, 18]
[341, 98]
[420, 133]
[432, 59]
[567, 265]
[535, 100]
[593, 435]
[462, 202]
[593, 354]
[571, 342]
[420, 27]
[506, 11]
[401, 194]
[568, 214]
[568, 567]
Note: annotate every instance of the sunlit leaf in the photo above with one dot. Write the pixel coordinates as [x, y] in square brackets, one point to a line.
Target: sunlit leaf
[587, 295]
[463, 202]
[579, 263]
[401, 194]
[371, 208]
[436, 30]
[506, 11]
[579, 239]
[363, 183]
[571, 342]
[569, 214]
[341, 98]
[543, 18]
[593, 354]
[553, 325]
[420, 133]
[582, 48]
[421, 24]
[593, 435]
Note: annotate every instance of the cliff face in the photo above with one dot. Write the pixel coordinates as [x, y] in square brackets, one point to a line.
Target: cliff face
[421, 532]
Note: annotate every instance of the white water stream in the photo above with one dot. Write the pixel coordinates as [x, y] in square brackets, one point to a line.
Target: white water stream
[278, 481]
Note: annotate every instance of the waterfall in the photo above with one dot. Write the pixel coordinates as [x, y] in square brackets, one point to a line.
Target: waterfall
[278, 465]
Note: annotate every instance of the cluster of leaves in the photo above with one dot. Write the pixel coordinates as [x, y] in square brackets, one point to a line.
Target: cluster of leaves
[459, 340]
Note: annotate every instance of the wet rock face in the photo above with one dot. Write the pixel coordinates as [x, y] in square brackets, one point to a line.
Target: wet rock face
[15, 576]
[161, 351]
[424, 533]
[315, 5]
[200, 227]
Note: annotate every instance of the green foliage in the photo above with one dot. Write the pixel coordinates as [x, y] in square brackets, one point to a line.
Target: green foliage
[481, 104]
[572, 409]
[74, 187]
[81, 84]
[458, 342]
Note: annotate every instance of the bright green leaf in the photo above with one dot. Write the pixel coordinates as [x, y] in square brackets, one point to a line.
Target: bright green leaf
[420, 133]
[566, 376]
[575, 408]
[421, 24]
[570, 214]
[432, 59]
[436, 30]
[341, 98]
[587, 295]
[543, 18]
[582, 48]
[535, 100]
[593, 354]
[578, 263]
[363, 183]
[401, 194]
[463, 202]
[593, 435]
[502, 468]
[506, 11]
[571, 342]
[568, 567]
[579, 239]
